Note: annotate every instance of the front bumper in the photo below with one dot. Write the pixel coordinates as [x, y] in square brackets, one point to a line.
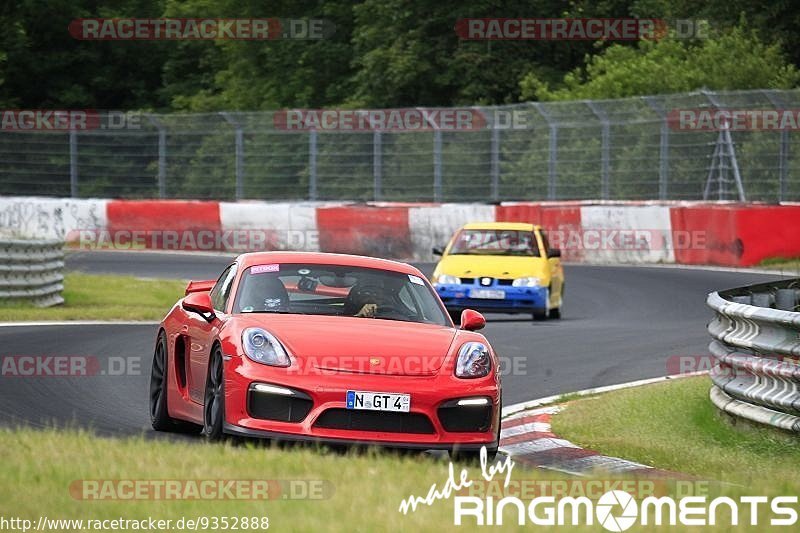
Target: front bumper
[322, 399]
[457, 297]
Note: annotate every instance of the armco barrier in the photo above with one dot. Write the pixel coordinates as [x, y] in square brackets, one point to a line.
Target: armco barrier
[32, 271]
[757, 351]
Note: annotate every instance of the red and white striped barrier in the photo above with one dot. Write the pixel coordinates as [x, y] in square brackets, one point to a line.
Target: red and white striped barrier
[726, 234]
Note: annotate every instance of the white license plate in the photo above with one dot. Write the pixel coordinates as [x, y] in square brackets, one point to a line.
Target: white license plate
[487, 294]
[378, 401]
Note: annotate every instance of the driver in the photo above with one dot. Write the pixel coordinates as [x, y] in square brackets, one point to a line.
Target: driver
[363, 300]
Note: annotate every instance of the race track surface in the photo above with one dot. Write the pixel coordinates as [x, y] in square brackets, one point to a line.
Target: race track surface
[620, 324]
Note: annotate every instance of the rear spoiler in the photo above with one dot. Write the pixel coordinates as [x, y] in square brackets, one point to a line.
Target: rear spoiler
[199, 286]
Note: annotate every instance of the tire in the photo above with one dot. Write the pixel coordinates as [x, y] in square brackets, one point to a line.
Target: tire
[214, 398]
[542, 314]
[159, 411]
[556, 312]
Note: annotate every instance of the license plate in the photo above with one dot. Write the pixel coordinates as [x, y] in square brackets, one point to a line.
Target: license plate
[378, 401]
[487, 294]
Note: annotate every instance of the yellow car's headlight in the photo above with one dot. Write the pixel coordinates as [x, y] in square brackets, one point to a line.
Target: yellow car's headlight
[446, 279]
[526, 282]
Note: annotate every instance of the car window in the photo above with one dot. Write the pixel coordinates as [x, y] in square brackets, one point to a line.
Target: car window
[337, 290]
[222, 289]
[495, 242]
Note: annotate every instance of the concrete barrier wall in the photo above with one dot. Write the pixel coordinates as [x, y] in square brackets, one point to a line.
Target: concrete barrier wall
[50, 218]
[591, 232]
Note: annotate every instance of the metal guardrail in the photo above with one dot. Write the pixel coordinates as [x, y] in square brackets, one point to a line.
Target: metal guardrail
[32, 271]
[756, 345]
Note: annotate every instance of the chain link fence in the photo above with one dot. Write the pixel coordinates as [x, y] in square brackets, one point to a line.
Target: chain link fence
[626, 149]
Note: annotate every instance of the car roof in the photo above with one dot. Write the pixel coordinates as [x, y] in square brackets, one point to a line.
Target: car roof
[518, 226]
[321, 258]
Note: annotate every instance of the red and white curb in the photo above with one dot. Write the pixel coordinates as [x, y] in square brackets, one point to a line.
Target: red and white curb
[529, 440]
[526, 435]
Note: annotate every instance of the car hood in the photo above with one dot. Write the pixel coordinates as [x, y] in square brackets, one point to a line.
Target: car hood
[476, 266]
[359, 345]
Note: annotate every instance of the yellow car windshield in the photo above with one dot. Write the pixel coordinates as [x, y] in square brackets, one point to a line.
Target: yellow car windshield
[495, 242]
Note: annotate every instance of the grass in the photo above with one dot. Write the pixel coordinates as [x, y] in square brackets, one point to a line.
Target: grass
[43, 471]
[102, 297]
[781, 263]
[364, 490]
[674, 426]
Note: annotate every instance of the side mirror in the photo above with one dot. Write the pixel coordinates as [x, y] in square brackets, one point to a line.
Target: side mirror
[554, 252]
[200, 303]
[437, 251]
[472, 320]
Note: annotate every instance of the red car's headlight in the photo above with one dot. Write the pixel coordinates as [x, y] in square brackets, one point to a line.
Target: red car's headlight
[262, 347]
[473, 361]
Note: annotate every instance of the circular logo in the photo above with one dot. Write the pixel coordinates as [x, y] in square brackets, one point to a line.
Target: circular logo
[616, 522]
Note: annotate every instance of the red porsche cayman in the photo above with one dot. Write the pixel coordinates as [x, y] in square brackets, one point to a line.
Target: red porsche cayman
[325, 347]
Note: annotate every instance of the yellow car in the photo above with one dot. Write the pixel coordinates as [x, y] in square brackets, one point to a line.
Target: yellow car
[500, 267]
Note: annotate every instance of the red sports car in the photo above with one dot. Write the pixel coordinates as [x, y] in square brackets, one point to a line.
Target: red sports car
[326, 347]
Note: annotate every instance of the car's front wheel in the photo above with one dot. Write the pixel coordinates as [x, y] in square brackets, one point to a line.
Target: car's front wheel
[556, 311]
[214, 398]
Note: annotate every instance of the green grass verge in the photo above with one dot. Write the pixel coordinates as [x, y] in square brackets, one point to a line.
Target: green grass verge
[103, 297]
[365, 488]
[781, 263]
[674, 426]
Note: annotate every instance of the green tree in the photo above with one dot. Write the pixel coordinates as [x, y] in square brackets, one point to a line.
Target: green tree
[736, 59]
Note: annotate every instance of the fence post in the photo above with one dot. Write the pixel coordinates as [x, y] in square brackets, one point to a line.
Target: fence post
[605, 148]
[552, 151]
[663, 149]
[495, 161]
[437, 165]
[162, 154]
[238, 153]
[377, 165]
[73, 163]
[783, 148]
[312, 165]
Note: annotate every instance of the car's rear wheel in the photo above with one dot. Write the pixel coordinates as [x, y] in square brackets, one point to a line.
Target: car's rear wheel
[159, 412]
[214, 398]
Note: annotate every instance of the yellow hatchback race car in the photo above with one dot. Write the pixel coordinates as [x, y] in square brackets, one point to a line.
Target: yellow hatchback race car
[500, 267]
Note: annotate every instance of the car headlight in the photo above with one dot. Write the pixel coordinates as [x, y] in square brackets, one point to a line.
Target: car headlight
[526, 282]
[262, 347]
[473, 361]
[448, 280]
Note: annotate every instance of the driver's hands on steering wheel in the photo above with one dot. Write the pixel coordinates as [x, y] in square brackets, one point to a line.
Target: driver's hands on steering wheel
[367, 311]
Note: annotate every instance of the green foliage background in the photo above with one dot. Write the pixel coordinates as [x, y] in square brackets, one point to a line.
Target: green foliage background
[382, 54]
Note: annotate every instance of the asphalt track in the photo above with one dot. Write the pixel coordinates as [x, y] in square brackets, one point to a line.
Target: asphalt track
[620, 324]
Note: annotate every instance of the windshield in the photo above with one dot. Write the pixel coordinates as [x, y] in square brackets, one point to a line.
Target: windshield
[495, 242]
[337, 291]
